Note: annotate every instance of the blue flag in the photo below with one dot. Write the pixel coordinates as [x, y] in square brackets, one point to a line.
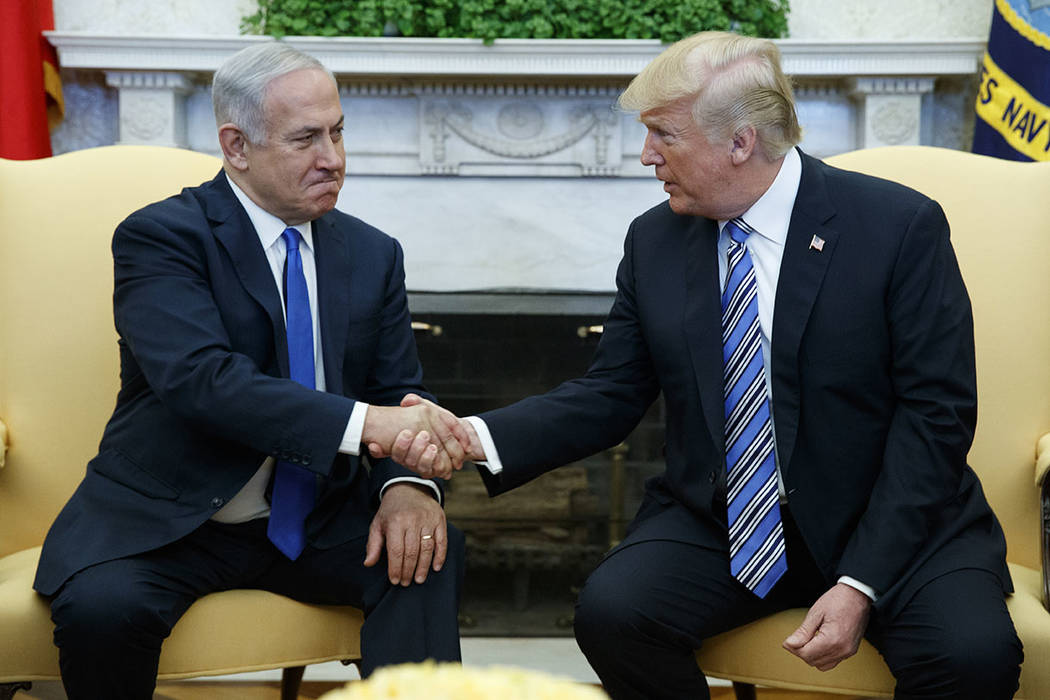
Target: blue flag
[1013, 103]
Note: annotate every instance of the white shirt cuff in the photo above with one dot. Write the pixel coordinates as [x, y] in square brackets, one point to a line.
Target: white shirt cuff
[351, 444]
[412, 480]
[862, 587]
[492, 463]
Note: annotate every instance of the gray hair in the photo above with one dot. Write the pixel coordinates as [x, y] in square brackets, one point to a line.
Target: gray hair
[239, 86]
[737, 82]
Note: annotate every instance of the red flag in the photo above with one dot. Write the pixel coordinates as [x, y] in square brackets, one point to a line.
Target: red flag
[30, 88]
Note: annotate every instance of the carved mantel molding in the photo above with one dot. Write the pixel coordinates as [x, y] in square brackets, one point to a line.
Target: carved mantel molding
[380, 56]
[517, 106]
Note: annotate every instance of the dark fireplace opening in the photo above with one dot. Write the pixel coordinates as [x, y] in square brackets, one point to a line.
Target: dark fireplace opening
[530, 550]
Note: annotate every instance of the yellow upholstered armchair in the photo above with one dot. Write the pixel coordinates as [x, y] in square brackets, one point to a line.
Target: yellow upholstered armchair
[999, 213]
[58, 382]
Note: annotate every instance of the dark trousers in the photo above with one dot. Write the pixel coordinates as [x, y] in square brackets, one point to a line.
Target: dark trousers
[111, 619]
[650, 604]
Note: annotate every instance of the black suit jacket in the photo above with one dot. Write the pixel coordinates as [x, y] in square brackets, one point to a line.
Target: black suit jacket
[874, 389]
[204, 394]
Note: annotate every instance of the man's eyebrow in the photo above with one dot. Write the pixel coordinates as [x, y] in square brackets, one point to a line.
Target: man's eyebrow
[303, 131]
[311, 130]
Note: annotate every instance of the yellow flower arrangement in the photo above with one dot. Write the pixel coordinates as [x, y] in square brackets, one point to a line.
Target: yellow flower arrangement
[448, 681]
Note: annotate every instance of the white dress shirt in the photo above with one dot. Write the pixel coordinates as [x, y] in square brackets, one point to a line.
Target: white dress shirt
[250, 502]
[770, 216]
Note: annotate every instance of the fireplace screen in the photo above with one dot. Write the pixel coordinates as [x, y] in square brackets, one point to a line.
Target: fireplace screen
[529, 550]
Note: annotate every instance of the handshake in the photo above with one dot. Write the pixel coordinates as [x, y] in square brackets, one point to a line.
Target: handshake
[422, 436]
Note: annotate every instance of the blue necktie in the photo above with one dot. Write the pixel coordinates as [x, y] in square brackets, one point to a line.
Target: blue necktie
[756, 533]
[293, 486]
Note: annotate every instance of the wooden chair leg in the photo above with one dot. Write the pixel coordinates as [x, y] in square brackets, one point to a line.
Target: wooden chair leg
[744, 691]
[8, 690]
[290, 679]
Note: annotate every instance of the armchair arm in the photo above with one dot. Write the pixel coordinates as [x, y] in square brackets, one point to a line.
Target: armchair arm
[3, 443]
[1042, 480]
[1042, 459]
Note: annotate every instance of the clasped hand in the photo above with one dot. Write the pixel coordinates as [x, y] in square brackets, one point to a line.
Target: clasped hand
[420, 435]
[832, 629]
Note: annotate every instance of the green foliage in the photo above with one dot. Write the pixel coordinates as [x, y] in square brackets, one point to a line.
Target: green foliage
[667, 20]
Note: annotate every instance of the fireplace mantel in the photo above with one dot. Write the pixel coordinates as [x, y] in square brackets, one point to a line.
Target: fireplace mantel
[506, 165]
[588, 58]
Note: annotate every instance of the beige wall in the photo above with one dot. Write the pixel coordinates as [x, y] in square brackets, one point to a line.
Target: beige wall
[890, 19]
[809, 19]
[189, 17]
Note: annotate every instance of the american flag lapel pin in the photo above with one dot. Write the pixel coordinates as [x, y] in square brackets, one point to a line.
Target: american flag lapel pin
[817, 243]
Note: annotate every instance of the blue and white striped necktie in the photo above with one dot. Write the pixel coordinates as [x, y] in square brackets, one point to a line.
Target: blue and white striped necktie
[756, 533]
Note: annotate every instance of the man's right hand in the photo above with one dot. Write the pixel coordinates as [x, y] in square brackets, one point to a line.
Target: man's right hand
[419, 434]
[407, 452]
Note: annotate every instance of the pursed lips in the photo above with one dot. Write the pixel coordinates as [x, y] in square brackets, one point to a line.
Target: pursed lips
[325, 181]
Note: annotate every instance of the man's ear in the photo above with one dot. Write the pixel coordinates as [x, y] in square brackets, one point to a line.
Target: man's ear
[743, 145]
[234, 146]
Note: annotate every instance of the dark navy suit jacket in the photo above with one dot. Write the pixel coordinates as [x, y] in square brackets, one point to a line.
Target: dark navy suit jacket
[204, 394]
[874, 388]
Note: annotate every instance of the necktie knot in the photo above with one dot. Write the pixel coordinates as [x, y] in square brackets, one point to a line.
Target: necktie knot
[738, 230]
[291, 238]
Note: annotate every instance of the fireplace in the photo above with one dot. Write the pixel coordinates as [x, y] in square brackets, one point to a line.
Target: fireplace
[529, 550]
[507, 164]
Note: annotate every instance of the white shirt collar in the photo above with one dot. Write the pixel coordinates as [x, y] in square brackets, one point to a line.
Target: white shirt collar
[770, 216]
[267, 226]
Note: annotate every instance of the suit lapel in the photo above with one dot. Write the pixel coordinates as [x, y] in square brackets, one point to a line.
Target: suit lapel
[703, 322]
[332, 258]
[234, 231]
[802, 270]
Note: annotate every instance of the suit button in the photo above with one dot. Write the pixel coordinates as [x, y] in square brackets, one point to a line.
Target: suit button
[711, 478]
[305, 460]
[217, 502]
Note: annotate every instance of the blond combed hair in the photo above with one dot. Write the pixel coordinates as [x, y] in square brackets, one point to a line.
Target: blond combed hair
[736, 81]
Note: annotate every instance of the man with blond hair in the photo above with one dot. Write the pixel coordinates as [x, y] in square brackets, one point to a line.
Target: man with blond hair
[812, 338]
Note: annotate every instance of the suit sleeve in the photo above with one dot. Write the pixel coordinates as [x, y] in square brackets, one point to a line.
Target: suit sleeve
[395, 369]
[585, 415]
[930, 431]
[166, 314]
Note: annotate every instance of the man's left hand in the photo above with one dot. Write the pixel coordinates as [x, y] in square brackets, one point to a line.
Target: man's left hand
[412, 525]
[832, 629]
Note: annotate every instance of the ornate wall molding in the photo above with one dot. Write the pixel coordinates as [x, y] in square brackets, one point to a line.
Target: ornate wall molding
[152, 106]
[890, 108]
[519, 130]
[154, 75]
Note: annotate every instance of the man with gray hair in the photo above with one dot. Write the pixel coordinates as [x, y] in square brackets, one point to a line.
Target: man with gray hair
[264, 338]
[812, 338]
